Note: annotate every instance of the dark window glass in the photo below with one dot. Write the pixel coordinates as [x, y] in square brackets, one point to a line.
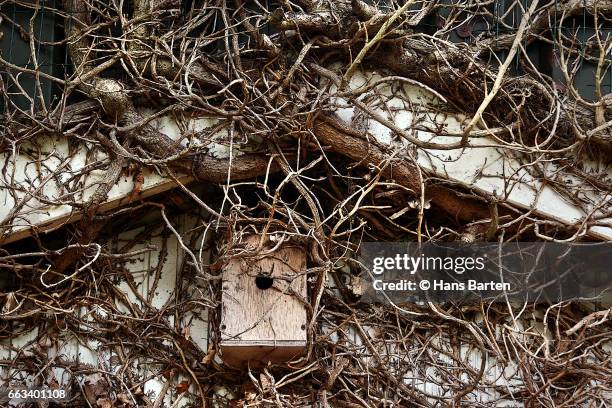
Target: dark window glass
[582, 54]
[45, 57]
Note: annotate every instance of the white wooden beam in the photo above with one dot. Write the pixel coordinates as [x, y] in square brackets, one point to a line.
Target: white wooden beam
[28, 184]
[488, 167]
[485, 168]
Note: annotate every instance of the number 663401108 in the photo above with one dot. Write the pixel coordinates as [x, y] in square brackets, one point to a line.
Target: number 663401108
[36, 394]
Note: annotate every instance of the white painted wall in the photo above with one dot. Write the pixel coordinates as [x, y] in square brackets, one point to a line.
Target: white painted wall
[139, 266]
[478, 168]
[488, 167]
[25, 187]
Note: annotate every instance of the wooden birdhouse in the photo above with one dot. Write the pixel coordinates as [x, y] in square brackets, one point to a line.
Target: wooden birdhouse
[263, 317]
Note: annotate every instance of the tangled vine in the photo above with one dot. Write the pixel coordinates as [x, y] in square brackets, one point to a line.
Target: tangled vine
[280, 160]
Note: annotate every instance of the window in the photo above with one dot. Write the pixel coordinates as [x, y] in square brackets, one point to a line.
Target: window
[15, 21]
[575, 40]
[581, 54]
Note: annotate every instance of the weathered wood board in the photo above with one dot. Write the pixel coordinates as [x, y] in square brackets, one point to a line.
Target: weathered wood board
[262, 316]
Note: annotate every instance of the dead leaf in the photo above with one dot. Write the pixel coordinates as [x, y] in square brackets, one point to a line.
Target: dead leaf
[215, 267]
[168, 373]
[357, 285]
[104, 403]
[340, 365]
[44, 342]
[182, 387]
[187, 332]
[53, 384]
[265, 382]
[123, 398]
[209, 357]
[114, 361]
[95, 388]
[136, 190]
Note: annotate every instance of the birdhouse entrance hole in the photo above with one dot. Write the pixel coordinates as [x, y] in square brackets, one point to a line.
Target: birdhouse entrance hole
[264, 282]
